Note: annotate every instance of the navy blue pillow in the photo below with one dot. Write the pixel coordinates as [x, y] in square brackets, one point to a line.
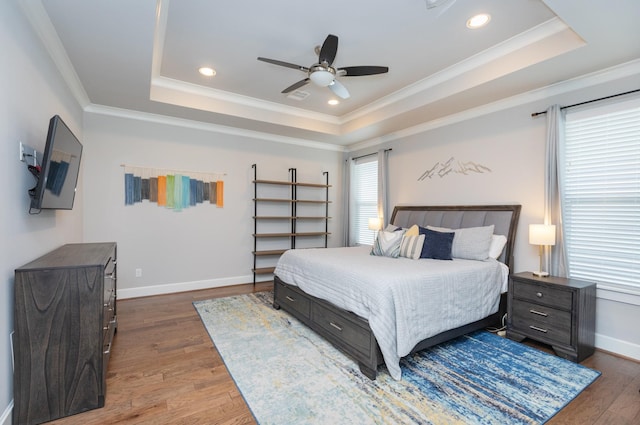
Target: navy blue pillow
[437, 245]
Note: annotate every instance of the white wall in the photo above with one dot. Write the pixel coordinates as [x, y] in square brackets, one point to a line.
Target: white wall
[512, 145]
[31, 92]
[201, 246]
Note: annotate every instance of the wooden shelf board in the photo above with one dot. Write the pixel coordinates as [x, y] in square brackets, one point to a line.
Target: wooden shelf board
[264, 270]
[286, 183]
[273, 200]
[269, 252]
[279, 182]
[306, 201]
[281, 235]
[283, 217]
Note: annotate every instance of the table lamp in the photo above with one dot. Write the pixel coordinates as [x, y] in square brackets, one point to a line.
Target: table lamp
[375, 224]
[542, 235]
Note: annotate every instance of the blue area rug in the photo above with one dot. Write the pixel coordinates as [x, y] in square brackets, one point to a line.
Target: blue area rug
[288, 374]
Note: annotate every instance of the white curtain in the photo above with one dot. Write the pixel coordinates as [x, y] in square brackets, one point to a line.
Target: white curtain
[555, 260]
[347, 237]
[383, 187]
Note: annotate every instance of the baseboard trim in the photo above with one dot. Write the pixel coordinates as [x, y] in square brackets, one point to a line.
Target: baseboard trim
[617, 346]
[6, 417]
[171, 288]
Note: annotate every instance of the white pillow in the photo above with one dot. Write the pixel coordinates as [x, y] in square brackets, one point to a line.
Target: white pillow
[470, 243]
[411, 246]
[387, 244]
[497, 245]
[391, 228]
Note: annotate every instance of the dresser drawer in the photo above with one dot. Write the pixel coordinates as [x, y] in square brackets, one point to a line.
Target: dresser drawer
[109, 280]
[108, 312]
[344, 329]
[539, 294]
[297, 301]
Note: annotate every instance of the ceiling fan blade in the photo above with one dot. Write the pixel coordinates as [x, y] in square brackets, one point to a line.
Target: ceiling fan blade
[340, 90]
[285, 64]
[296, 85]
[329, 49]
[356, 71]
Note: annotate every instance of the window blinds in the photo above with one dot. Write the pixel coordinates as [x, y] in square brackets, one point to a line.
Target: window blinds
[600, 189]
[365, 198]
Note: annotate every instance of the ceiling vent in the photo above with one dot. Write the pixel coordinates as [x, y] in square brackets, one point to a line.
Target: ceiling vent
[298, 95]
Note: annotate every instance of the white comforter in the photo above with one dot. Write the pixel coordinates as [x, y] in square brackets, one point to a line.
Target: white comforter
[404, 300]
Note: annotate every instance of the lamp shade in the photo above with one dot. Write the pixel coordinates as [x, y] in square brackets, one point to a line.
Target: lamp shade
[374, 224]
[542, 234]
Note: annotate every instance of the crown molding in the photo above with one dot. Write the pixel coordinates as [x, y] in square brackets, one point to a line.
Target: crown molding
[614, 73]
[214, 128]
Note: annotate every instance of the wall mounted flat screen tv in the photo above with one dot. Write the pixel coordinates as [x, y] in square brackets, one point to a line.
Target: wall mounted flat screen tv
[58, 173]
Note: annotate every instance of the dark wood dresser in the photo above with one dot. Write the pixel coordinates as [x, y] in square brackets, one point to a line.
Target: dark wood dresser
[555, 311]
[65, 320]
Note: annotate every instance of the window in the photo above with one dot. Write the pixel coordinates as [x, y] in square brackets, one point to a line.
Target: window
[601, 194]
[364, 195]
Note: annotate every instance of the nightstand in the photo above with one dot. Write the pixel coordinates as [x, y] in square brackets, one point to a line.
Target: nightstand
[553, 310]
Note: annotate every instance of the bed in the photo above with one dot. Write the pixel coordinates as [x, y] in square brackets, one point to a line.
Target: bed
[378, 309]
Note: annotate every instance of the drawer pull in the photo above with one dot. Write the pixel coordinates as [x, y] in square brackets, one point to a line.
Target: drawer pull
[111, 275]
[539, 313]
[535, 328]
[108, 350]
[336, 326]
[290, 299]
[539, 294]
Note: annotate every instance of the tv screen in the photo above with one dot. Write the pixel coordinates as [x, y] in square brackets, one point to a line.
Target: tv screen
[58, 176]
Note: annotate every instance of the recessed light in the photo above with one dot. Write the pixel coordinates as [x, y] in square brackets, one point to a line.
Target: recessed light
[478, 21]
[333, 102]
[207, 72]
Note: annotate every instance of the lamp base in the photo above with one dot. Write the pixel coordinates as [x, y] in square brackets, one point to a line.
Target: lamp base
[541, 274]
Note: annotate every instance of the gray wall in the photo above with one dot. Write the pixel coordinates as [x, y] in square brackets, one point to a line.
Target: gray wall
[31, 92]
[201, 246]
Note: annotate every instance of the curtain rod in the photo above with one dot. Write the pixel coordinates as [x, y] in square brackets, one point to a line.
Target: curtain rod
[369, 154]
[535, 114]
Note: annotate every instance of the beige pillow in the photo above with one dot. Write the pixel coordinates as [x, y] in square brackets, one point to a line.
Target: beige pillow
[413, 231]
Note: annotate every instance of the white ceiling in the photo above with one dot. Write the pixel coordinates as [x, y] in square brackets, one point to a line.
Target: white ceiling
[143, 56]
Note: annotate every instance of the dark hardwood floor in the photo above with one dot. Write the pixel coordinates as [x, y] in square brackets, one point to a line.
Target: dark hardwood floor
[165, 370]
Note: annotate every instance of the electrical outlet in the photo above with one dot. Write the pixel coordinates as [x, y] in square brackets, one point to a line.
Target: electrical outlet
[138, 272]
[27, 154]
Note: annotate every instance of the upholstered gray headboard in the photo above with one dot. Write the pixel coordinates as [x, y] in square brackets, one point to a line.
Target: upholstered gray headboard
[503, 217]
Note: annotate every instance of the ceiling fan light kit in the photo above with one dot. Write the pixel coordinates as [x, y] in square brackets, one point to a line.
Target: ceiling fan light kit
[323, 74]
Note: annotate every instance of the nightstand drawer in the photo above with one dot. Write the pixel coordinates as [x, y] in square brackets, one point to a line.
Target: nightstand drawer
[546, 317]
[542, 331]
[542, 314]
[543, 295]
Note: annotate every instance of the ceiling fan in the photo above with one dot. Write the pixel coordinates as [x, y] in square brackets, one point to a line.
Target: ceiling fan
[323, 73]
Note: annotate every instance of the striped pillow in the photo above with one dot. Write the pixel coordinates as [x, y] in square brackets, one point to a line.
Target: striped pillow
[411, 246]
